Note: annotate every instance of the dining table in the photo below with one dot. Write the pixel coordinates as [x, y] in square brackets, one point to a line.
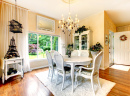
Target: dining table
[76, 60]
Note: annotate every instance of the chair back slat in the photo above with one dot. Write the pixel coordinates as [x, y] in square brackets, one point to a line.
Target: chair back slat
[49, 58]
[59, 61]
[97, 62]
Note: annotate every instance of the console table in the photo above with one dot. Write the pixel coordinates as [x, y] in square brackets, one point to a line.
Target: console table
[5, 63]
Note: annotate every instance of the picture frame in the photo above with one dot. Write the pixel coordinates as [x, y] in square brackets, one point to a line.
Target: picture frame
[45, 24]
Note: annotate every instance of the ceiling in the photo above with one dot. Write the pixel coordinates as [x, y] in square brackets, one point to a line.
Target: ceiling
[118, 10]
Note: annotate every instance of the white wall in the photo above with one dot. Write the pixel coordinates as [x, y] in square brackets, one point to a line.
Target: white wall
[37, 63]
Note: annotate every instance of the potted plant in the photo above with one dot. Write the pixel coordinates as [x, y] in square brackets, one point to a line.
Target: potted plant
[69, 49]
[95, 49]
[81, 29]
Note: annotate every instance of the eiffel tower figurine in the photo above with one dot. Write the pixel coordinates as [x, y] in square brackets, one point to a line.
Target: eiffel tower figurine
[12, 51]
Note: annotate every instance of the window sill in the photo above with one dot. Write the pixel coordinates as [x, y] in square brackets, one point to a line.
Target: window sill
[38, 59]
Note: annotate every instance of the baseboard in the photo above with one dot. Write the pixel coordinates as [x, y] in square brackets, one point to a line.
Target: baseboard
[39, 67]
[102, 68]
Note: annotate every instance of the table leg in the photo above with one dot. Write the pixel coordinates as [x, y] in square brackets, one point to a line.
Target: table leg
[72, 76]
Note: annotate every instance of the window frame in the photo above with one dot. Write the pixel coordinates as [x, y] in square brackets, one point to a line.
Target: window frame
[38, 43]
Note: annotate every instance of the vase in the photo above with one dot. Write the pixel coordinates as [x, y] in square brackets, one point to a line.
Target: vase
[94, 53]
[69, 54]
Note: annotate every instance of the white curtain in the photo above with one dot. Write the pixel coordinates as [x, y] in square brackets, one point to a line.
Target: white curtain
[65, 40]
[21, 39]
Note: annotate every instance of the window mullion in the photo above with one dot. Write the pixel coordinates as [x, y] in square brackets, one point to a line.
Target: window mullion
[37, 44]
[51, 43]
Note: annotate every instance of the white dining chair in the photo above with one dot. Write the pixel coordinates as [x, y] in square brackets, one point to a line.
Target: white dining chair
[52, 66]
[74, 53]
[84, 53]
[52, 53]
[92, 72]
[61, 69]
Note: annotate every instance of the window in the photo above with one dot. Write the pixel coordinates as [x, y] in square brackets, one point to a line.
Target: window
[39, 43]
[32, 45]
[54, 43]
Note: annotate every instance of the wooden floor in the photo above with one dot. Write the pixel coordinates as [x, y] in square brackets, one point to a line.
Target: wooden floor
[31, 86]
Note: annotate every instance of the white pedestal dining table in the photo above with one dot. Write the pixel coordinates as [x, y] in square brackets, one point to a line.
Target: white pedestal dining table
[73, 61]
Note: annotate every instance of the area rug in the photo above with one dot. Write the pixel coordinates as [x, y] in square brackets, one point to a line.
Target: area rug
[83, 89]
[121, 67]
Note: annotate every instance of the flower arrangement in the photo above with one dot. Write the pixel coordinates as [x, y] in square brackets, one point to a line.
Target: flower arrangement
[32, 49]
[81, 29]
[96, 47]
[69, 48]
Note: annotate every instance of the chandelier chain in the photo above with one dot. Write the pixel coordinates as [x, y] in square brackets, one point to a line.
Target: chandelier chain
[15, 9]
[69, 6]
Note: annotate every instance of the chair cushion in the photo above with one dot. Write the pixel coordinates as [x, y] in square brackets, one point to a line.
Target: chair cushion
[67, 70]
[53, 66]
[87, 72]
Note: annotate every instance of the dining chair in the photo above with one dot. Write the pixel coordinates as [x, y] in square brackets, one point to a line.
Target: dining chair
[61, 69]
[92, 72]
[52, 66]
[52, 53]
[74, 53]
[84, 53]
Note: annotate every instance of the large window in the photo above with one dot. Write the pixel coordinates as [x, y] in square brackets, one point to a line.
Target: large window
[39, 43]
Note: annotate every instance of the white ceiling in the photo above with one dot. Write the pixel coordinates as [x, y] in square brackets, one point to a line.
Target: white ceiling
[118, 10]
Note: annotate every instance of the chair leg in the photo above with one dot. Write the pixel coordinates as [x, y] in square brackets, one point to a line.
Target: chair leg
[52, 74]
[48, 73]
[76, 81]
[98, 82]
[63, 82]
[57, 78]
[92, 86]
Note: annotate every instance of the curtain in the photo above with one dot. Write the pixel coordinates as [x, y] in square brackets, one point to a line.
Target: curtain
[7, 13]
[65, 40]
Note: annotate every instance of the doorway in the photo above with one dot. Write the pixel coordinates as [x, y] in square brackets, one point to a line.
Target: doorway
[111, 48]
[122, 48]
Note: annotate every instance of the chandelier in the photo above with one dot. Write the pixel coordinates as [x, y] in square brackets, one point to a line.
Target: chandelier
[68, 24]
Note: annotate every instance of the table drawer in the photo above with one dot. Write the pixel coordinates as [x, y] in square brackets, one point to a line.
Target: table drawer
[13, 61]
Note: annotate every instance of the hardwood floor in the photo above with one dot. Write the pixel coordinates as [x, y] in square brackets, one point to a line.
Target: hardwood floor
[31, 86]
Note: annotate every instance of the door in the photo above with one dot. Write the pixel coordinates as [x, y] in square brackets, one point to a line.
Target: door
[122, 48]
[76, 42]
[111, 48]
[84, 42]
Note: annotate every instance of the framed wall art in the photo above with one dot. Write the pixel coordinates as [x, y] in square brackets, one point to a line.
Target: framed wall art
[45, 24]
[106, 39]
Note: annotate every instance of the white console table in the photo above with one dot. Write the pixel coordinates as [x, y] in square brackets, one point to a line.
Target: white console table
[12, 61]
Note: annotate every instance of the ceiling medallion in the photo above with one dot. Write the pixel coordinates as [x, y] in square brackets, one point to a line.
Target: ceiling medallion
[68, 24]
